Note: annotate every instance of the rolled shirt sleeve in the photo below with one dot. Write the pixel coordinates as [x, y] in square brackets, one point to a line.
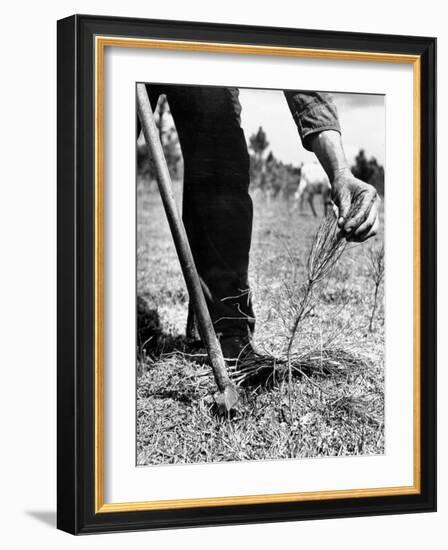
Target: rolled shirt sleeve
[312, 112]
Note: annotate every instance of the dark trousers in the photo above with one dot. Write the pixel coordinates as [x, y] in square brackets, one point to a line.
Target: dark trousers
[217, 208]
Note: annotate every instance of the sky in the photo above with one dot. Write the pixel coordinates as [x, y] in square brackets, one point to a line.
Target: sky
[362, 119]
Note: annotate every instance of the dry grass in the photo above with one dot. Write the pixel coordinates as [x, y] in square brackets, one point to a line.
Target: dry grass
[326, 401]
[375, 257]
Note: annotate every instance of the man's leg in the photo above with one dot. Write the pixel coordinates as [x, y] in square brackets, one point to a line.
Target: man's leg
[217, 208]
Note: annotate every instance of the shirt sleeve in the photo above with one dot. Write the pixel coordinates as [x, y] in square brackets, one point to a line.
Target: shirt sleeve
[312, 112]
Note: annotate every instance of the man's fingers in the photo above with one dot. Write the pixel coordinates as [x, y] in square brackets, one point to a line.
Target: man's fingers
[371, 233]
[343, 203]
[360, 210]
[365, 227]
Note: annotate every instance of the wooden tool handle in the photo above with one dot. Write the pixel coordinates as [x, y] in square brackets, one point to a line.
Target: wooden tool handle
[229, 396]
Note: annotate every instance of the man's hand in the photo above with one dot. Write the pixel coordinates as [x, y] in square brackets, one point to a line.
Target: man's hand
[357, 201]
[358, 206]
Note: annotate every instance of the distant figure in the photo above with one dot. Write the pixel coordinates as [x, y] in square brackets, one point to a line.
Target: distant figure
[313, 181]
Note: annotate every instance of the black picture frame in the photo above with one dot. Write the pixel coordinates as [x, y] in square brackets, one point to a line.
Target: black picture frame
[76, 286]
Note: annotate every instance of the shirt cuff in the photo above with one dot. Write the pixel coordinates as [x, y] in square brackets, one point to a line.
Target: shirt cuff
[312, 112]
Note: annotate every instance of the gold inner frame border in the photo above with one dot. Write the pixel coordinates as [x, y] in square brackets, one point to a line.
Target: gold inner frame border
[101, 42]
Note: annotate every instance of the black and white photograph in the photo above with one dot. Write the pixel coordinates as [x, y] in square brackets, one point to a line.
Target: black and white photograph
[260, 266]
[220, 258]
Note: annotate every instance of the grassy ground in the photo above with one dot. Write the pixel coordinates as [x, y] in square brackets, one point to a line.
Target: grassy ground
[319, 414]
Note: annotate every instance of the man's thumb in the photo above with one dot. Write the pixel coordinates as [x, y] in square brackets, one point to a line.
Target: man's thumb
[344, 207]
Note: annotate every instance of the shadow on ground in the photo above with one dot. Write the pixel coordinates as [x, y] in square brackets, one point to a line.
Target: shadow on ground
[153, 339]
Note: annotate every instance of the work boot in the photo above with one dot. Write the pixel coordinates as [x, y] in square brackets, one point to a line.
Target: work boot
[237, 350]
[248, 366]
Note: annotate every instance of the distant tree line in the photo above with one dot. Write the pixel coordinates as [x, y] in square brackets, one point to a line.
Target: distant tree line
[268, 174]
[170, 142]
[276, 178]
[369, 170]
